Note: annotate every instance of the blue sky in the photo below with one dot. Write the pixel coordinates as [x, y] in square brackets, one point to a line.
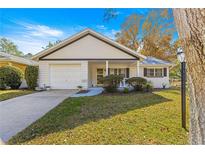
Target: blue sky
[32, 29]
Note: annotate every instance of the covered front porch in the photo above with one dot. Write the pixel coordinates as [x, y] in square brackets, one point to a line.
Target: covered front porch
[101, 68]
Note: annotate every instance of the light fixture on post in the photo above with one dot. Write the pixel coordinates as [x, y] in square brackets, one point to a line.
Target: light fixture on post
[181, 58]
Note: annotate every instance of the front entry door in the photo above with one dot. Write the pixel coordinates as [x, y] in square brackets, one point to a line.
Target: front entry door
[100, 74]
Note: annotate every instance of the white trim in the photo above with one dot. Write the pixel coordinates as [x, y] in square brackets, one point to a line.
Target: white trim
[106, 68]
[138, 68]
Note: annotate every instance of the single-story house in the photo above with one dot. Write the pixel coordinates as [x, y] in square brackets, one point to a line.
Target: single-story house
[19, 62]
[84, 58]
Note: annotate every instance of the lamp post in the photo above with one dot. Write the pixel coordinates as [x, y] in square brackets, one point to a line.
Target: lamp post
[181, 58]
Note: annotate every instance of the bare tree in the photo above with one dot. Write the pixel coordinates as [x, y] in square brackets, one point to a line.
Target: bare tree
[129, 32]
[191, 29]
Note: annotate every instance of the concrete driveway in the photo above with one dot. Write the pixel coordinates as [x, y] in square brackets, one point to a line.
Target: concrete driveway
[18, 113]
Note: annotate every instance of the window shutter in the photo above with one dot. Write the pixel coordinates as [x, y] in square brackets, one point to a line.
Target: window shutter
[145, 71]
[165, 71]
[108, 71]
[127, 72]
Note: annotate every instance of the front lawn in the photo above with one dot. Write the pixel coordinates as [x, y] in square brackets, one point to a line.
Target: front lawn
[143, 118]
[7, 94]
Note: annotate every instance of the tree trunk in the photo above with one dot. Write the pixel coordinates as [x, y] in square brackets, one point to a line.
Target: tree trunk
[190, 24]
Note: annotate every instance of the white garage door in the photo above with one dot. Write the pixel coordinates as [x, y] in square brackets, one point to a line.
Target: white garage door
[65, 76]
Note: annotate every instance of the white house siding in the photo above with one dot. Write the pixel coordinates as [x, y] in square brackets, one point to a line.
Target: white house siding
[89, 72]
[156, 81]
[89, 75]
[44, 71]
[84, 69]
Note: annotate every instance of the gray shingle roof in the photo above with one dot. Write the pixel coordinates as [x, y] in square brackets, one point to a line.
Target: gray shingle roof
[154, 61]
[9, 57]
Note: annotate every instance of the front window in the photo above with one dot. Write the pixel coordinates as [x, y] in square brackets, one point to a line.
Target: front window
[158, 72]
[115, 71]
[118, 71]
[101, 72]
[153, 72]
[150, 72]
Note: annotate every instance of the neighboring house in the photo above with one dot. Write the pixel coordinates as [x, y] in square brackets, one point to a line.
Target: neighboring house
[84, 58]
[19, 62]
[11, 60]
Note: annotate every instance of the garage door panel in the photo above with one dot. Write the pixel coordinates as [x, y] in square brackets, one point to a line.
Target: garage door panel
[65, 76]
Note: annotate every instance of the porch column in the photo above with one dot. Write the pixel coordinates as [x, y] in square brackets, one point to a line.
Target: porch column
[106, 68]
[138, 68]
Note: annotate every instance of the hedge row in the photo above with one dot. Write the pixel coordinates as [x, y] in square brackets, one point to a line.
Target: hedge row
[111, 82]
[31, 76]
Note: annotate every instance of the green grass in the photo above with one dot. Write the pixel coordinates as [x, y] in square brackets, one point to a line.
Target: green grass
[7, 94]
[143, 118]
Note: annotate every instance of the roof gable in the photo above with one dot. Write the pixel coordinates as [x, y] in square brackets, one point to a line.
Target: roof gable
[89, 47]
[96, 38]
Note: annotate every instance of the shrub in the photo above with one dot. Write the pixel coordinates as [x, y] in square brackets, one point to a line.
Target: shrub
[10, 76]
[111, 82]
[2, 84]
[126, 90]
[137, 83]
[31, 76]
[148, 86]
